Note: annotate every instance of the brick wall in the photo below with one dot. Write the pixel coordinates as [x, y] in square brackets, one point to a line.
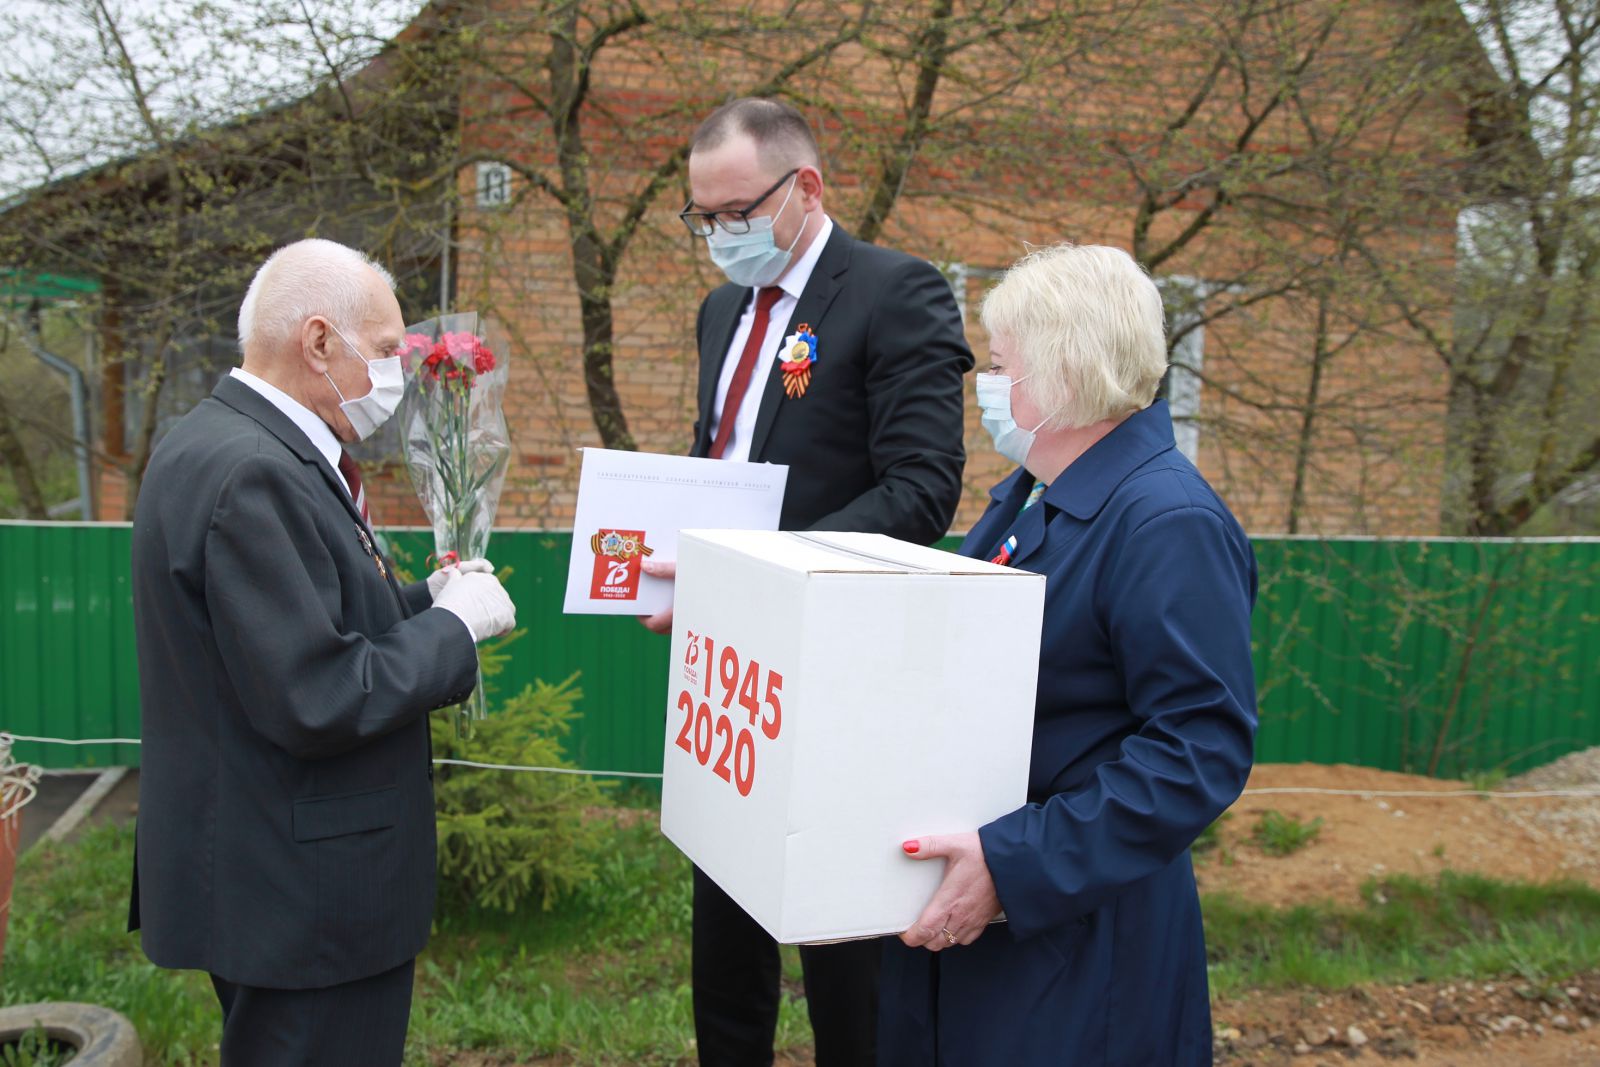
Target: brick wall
[1058, 159]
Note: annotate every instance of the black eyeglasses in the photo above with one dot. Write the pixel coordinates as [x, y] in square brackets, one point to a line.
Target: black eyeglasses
[701, 223]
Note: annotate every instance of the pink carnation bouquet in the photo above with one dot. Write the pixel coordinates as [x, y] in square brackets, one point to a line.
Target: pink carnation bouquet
[455, 443]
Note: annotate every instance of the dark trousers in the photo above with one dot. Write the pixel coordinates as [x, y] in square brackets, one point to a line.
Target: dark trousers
[357, 1024]
[736, 994]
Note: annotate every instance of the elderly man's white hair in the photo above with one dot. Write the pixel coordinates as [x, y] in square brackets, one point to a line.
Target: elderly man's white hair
[1087, 323]
[310, 277]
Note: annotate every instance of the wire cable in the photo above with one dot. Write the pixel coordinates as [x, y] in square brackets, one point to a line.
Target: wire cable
[547, 770]
[1262, 791]
[450, 762]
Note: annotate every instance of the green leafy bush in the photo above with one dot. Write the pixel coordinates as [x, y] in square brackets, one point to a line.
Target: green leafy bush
[35, 1049]
[1210, 842]
[1280, 835]
[1487, 781]
[507, 837]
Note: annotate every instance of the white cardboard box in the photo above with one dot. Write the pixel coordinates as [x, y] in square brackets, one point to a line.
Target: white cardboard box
[879, 691]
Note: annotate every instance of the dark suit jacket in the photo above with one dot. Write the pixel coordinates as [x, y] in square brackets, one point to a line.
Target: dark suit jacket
[286, 821]
[874, 445]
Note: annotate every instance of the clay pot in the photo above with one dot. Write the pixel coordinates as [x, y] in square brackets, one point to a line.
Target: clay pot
[10, 837]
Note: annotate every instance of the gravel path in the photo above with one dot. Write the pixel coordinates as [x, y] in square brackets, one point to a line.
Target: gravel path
[1572, 822]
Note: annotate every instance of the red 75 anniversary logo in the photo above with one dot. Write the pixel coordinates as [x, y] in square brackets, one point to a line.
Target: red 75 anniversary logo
[720, 730]
[691, 656]
[618, 562]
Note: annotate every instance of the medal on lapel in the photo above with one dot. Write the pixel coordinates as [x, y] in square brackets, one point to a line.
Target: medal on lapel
[366, 546]
[798, 353]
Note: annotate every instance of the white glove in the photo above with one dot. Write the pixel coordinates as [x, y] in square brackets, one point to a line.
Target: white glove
[441, 577]
[479, 600]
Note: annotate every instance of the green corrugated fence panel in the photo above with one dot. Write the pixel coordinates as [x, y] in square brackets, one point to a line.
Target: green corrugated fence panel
[67, 666]
[1433, 656]
[1449, 656]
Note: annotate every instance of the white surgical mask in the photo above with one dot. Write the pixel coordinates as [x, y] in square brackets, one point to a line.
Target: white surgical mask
[753, 258]
[994, 401]
[367, 413]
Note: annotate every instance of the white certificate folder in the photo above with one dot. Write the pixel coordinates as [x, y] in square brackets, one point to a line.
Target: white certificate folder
[631, 506]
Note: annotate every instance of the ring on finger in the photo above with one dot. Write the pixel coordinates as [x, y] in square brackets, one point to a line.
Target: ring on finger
[948, 936]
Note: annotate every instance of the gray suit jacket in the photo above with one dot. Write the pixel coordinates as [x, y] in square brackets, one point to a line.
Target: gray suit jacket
[286, 820]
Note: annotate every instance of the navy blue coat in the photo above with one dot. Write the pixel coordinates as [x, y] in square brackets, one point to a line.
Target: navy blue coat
[1143, 734]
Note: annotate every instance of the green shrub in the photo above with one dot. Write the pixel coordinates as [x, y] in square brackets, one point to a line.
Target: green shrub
[35, 1049]
[1279, 834]
[510, 837]
[1211, 837]
[1487, 781]
[1210, 842]
[69, 941]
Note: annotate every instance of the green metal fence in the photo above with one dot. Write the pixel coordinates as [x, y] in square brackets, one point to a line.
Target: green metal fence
[1433, 656]
[67, 665]
[1422, 655]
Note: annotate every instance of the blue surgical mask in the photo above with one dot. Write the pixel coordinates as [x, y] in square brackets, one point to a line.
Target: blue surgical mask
[994, 401]
[753, 258]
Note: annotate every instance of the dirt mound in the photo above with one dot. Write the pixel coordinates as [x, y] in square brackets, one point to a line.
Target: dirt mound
[1570, 823]
[1375, 823]
[1491, 1024]
[1370, 832]
[1576, 770]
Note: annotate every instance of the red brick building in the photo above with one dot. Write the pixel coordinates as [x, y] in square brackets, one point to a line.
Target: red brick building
[1255, 161]
[1073, 151]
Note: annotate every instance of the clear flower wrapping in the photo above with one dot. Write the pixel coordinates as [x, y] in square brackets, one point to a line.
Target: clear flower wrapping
[455, 442]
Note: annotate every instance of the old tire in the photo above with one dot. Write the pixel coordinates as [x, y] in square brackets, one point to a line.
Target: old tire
[101, 1037]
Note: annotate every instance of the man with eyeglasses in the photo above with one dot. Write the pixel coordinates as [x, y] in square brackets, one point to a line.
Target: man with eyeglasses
[844, 361]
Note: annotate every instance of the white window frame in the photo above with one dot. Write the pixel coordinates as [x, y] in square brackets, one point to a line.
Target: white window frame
[960, 274]
[1187, 358]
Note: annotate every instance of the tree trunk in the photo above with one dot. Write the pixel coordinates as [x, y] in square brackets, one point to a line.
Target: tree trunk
[1308, 416]
[148, 420]
[599, 371]
[932, 52]
[1464, 409]
[1482, 512]
[594, 272]
[17, 462]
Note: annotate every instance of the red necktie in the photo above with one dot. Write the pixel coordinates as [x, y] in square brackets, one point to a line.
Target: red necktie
[352, 477]
[765, 298]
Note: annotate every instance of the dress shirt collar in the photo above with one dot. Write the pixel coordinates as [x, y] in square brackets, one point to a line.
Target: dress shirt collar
[307, 420]
[794, 282]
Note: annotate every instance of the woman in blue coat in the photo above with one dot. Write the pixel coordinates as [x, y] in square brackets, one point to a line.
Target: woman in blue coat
[1145, 716]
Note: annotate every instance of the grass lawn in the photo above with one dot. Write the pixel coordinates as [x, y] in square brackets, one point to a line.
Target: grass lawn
[603, 977]
[1459, 927]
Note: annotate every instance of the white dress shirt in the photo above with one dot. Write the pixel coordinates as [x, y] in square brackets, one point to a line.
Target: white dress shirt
[793, 284]
[309, 422]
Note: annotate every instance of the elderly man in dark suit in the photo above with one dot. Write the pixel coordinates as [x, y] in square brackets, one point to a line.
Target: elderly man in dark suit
[845, 362]
[286, 821]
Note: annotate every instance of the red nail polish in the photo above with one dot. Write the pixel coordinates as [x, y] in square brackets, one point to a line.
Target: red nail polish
[911, 846]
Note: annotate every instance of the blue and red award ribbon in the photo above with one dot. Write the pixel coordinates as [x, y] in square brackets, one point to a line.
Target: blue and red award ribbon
[1007, 550]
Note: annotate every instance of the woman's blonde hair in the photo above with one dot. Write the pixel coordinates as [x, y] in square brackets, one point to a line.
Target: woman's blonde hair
[1087, 322]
